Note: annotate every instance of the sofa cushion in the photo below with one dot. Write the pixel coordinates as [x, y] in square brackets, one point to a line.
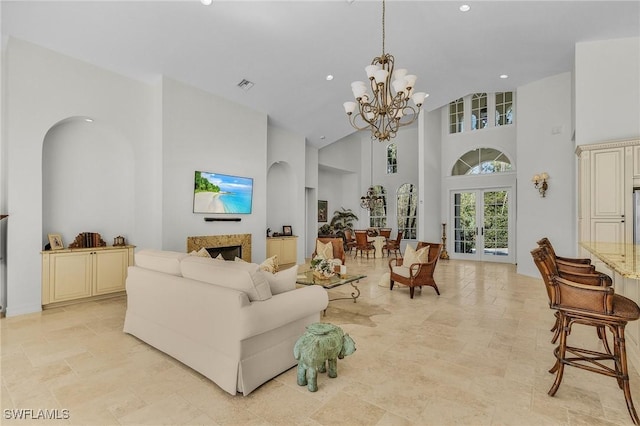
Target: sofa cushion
[242, 276]
[282, 281]
[412, 255]
[167, 262]
[270, 264]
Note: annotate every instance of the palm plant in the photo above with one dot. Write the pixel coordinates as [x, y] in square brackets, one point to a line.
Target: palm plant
[342, 219]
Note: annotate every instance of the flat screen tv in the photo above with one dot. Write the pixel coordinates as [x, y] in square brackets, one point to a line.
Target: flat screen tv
[218, 193]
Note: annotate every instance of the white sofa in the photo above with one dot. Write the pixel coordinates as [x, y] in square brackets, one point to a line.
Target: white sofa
[218, 317]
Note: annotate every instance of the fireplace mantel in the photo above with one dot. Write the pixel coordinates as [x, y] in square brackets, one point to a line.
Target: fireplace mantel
[208, 241]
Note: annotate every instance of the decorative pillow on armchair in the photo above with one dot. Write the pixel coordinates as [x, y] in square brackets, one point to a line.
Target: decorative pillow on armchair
[324, 250]
[270, 264]
[412, 256]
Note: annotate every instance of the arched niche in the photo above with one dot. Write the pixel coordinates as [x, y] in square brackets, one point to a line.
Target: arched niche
[87, 180]
[281, 187]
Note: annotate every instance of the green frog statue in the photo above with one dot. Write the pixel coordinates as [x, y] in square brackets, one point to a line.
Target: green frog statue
[321, 345]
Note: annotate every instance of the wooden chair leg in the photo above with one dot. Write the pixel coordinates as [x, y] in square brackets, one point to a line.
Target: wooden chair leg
[411, 290]
[560, 353]
[602, 334]
[621, 357]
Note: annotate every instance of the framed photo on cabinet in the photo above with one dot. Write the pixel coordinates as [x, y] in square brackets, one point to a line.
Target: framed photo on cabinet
[55, 240]
[286, 230]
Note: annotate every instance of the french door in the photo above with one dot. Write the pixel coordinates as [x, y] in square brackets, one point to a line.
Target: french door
[481, 225]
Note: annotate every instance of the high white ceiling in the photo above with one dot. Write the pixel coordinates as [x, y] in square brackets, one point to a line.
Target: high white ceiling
[288, 47]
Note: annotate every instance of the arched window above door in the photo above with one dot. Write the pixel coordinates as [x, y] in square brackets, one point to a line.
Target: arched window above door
[481, 161]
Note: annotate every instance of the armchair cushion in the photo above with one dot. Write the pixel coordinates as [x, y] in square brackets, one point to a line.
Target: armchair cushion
[324, 250]
[412, 255]
[403, 271]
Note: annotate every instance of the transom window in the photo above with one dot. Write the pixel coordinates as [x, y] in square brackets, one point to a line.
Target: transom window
[504, 108]
[481, 161]
[378, 214]
[478, 111]
[392, 158]
[407, 196]
[456, 116]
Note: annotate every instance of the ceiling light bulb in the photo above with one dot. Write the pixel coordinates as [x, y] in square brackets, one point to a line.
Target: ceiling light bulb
[206, 2]
[503, 76]
[465, 8]
[329, 77]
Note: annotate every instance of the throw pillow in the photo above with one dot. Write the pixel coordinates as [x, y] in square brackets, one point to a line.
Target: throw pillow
[282, 281]
[237, 259]
[200, 253]
[324, 250]
[270, 264]
[412, 255]
[219, 257]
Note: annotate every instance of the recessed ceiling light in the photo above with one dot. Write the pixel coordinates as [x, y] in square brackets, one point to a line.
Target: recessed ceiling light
[322, 137]
[465, 8]
[245, 84]
[89, 120]
[503, 76]
[329, 77]
[206, 2]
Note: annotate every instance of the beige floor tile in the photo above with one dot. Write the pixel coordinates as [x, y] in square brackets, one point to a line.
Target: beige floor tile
[477, 354]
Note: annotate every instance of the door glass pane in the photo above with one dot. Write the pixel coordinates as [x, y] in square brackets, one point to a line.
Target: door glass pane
[496, 223]
[464, 230]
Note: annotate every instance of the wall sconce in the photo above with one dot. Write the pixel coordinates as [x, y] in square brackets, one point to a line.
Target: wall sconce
[540, 183]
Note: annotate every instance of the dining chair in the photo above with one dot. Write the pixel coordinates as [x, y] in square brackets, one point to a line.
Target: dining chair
[393, 245]
[363, 244]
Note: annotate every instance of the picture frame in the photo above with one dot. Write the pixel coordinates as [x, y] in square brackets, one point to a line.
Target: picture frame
[55, 241]
[322, 210]
[286, 230]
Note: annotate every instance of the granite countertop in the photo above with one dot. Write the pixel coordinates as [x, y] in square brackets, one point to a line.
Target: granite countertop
[622, 258]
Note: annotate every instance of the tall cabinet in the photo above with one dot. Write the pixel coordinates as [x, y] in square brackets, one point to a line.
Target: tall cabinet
[605, 191]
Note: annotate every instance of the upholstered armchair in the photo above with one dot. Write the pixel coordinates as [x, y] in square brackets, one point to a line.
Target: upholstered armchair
[416, 274]
[337, 247]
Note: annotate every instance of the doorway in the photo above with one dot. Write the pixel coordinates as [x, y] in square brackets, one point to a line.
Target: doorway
[482, 225]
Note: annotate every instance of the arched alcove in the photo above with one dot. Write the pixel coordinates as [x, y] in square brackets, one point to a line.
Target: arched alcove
[281, 190]
[87, 181]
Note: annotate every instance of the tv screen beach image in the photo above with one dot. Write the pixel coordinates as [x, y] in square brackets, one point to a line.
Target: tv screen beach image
[218, 193]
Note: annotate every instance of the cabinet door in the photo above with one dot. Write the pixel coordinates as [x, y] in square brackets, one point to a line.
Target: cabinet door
[110, 271]
[289, 251]
[607, 230]
[607, 183]
[274, 247]
[70, 276]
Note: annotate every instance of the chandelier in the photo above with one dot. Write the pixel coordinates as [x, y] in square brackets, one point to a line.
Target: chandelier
[370, 201]
[386, 108]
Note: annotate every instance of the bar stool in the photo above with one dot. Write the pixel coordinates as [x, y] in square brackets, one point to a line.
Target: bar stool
[595, 306]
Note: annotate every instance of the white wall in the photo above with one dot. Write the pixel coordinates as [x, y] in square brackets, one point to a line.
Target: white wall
[607, 90]
[286, 194]
[204, 132]
[87, 170]
[544, 144]
[43, 88]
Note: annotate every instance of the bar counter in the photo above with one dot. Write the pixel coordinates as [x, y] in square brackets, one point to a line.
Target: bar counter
[621, 258]
[623, 262]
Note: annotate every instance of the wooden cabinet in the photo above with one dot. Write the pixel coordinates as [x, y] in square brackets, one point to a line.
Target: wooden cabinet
[605, 185]
[285, 247]
[75, 274]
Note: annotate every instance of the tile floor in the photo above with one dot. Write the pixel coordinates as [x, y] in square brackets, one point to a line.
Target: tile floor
[476, 355]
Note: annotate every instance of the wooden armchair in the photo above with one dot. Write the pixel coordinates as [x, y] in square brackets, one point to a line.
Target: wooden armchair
[350, 240]
[363, 244]
[393, 245]
[336, 243]
[417, 274]
[385, 232]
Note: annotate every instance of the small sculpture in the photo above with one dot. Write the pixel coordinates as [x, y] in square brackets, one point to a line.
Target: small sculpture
[320, 345]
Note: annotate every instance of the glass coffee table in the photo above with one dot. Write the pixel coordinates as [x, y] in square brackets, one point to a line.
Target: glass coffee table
[307, 278]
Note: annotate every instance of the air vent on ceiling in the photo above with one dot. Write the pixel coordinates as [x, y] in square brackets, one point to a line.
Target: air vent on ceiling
[245, 84]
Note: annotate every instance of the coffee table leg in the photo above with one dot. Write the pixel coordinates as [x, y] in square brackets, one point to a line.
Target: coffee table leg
[354, 294]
